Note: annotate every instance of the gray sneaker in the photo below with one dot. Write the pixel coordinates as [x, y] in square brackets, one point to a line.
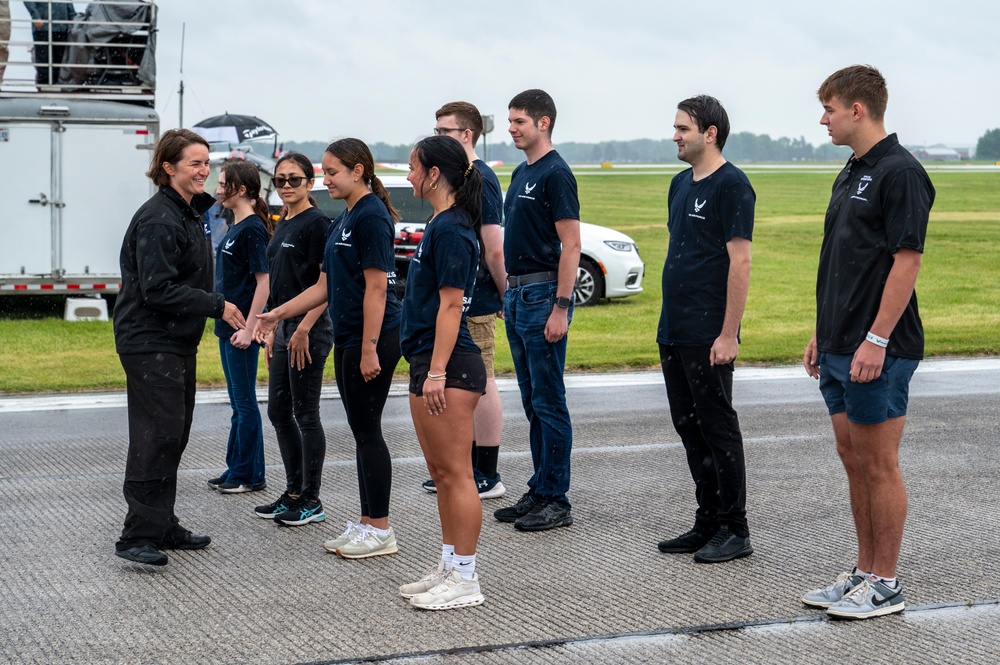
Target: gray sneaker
[450, 593]
[344, 538]
[366, 542]
[433, 577]
[868, 599]
[831, 594]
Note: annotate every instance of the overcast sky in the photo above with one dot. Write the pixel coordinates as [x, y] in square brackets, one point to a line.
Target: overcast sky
[378, 69]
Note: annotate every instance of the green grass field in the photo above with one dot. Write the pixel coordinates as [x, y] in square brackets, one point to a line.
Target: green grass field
[958, 288]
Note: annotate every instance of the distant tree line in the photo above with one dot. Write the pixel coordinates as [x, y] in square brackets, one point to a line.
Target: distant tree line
[988, 146]
[741, 147]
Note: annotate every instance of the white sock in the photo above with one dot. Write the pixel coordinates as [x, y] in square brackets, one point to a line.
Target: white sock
[447, 554]
[381, 532]
[860, 573]
[466, 565]
[888, 581]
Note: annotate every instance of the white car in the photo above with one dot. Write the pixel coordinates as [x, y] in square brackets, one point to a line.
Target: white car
[610, 266]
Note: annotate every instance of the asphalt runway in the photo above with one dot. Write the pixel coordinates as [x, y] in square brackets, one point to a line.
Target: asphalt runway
[598, 591]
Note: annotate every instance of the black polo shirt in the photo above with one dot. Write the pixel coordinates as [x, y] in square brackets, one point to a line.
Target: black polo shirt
[880, 204]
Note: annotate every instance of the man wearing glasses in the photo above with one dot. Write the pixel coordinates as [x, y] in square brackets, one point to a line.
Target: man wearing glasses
[463, 122]
[542, 254]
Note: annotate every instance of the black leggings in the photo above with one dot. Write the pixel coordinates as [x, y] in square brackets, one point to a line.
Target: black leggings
[364, 401]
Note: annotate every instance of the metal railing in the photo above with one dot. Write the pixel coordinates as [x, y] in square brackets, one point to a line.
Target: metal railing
[99, 53]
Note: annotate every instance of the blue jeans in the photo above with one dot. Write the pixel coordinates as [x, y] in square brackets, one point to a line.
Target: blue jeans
[245, 450]
[539, 365]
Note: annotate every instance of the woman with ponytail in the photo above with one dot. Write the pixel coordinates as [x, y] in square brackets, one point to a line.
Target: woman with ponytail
[298, 347]
[447, 374]
[358, 281]
[241, 276]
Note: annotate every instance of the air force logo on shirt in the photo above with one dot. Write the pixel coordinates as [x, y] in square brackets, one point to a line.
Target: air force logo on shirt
[698, 205]
[862, 186]
[528, 189]
[344, 237]
[227, 245]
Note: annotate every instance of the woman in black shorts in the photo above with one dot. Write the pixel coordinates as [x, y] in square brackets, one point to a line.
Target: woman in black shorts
[447, 375]
[358, 282]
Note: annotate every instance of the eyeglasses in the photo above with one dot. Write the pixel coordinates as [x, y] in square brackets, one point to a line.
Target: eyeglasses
[441, 131]
[294, 181]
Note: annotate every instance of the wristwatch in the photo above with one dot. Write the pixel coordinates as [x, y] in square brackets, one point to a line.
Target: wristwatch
[563, 303]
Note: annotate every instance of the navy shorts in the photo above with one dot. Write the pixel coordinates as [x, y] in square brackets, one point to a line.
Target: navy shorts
[866, 403]
[465, 371]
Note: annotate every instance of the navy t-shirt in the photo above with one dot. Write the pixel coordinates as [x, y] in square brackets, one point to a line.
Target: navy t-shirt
[294, 257]
[704, 216]
[881, 203]
[539, 195]
[447, 255]
[240, 255]
[360, 238]
[485, 299]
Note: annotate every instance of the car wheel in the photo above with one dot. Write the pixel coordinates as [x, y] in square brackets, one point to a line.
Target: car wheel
[589, 283]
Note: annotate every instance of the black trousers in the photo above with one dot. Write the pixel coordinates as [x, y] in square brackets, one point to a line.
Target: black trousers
[161, 389]
[701, 407]
[364, 402]
[42, 61]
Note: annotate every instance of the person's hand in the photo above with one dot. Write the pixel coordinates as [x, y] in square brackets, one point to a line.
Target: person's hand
[233, 316]
[723, 350]
[434, 396]
[241, 339]
[298, 349]
[37, 25]
[370, 367]
[867, 362]
[810, 359]
[268, 350]
[557, 325]
[266, 323]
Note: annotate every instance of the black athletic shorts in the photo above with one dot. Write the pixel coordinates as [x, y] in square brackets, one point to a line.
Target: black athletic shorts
[465, 371]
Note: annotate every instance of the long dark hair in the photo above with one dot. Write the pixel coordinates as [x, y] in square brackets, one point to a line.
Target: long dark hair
[307, 169]
[352, 152]
[244, 174]
[465, 181]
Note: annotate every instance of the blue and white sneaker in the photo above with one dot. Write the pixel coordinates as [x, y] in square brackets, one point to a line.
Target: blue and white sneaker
[302, 512]
[829, 595]
[871, 598]
[489, 488]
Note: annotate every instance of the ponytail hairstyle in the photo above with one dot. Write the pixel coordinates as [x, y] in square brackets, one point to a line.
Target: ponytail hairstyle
[352, 152]
[244, 174]
[308, 171]
[462, 177]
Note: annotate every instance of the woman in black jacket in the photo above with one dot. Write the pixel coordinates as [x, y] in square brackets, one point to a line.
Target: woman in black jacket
[159, 319]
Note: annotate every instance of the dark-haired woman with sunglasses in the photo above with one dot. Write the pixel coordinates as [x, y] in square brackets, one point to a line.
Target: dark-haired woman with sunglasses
[297, 348]
[358, 280]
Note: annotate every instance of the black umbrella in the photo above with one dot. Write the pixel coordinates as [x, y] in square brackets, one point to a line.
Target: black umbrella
[231, 128]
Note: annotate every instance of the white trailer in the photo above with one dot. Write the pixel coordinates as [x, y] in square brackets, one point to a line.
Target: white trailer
[75, 144]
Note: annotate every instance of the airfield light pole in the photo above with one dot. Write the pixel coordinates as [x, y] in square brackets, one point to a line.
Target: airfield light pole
[180, 90]
[487, 128]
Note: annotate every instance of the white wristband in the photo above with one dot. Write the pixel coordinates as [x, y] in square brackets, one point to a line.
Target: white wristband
[876, 340]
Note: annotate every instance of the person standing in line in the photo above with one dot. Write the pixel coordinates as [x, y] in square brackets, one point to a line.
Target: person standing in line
[358, 282]
[241, 276]
[298, 347]
[542, 254]
[447, 374]
[50, 33]
[4, 36]
[462, 121]
[869, 338]
[159, 320]
[706, 276]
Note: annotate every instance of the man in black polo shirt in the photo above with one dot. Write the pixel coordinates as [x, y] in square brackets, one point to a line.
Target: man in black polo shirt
[706, 276]
[542, 253]
[868, 337]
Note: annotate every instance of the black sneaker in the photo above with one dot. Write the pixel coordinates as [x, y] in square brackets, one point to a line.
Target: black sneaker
[302, 512]
[686, 543]
[185, 540]
[237, 488]
[269, 510]
[519, 509]
[544, 515]
[429, 485]
[724, 546]
[215, 482]
[144, 554]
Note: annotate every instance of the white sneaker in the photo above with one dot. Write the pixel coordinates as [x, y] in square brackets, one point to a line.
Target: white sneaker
[344, 538]
[433, 577]
[367, 542]
[450, 593]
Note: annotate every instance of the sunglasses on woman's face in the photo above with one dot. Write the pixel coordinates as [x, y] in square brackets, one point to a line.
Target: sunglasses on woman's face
[294, 181]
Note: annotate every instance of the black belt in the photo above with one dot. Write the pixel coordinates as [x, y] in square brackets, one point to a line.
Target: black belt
[514, 281]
